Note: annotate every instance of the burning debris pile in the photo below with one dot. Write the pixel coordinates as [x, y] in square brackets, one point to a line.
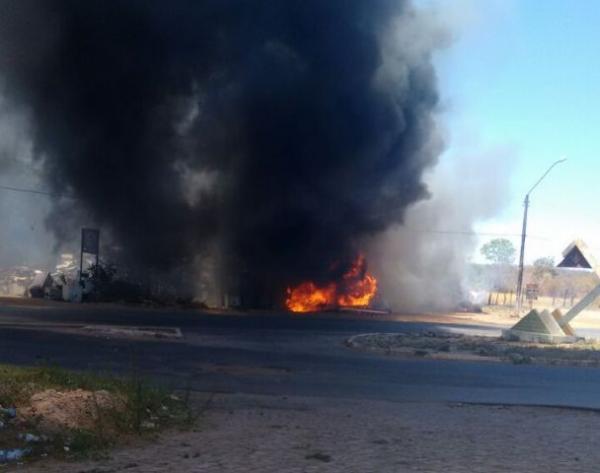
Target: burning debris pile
[270, 137]
[356, 288]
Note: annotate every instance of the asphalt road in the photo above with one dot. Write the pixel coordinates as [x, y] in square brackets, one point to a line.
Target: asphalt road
[279, 354]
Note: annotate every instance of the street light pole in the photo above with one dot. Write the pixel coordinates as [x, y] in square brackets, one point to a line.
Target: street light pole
[522, 256]
[519, 301]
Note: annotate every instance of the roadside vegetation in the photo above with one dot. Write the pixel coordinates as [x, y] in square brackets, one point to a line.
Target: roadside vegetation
[48, 411]
[493, 284]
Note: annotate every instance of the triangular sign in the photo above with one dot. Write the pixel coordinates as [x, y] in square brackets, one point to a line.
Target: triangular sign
[574, 257]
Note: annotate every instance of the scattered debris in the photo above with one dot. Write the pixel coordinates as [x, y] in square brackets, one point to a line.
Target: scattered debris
[468, 306]
[319, 456]
[32, 438]
[9, 412]
[518, 359]
[41, 285]
[12, 455]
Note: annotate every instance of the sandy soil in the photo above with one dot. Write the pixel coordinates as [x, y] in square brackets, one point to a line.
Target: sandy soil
[55, 411]
[262, 434]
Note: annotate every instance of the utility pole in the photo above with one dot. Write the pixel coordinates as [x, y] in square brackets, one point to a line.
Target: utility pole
[522, 256]
[519, 301]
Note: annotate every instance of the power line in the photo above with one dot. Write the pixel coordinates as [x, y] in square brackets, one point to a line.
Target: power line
[30, 191]
[472, 233]
[408, 229]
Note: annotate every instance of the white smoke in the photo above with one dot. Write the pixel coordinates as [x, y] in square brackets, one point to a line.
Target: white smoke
[421, 265]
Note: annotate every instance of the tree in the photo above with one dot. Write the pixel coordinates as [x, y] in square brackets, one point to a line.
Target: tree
[544, 267]
[499, 251]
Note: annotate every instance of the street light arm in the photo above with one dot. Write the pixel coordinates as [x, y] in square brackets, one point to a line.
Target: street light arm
[545, 174]
[524, 235]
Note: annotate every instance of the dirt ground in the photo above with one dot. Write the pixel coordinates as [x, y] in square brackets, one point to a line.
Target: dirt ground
[283, 435]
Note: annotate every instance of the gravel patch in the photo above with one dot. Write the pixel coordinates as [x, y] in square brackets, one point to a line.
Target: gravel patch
[435, 345]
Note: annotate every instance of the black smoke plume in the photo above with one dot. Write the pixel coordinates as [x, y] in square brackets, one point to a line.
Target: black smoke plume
[285, 130]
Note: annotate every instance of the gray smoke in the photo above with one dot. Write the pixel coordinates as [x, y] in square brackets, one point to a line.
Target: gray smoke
[24, 240]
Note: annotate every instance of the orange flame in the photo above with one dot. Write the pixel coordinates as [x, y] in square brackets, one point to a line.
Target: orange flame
[356, 289]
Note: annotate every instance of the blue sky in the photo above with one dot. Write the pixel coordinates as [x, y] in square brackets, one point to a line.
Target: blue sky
[523, 75]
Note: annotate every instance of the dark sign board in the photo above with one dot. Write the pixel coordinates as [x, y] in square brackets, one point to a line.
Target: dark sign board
[531, 292]
[90, 240]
